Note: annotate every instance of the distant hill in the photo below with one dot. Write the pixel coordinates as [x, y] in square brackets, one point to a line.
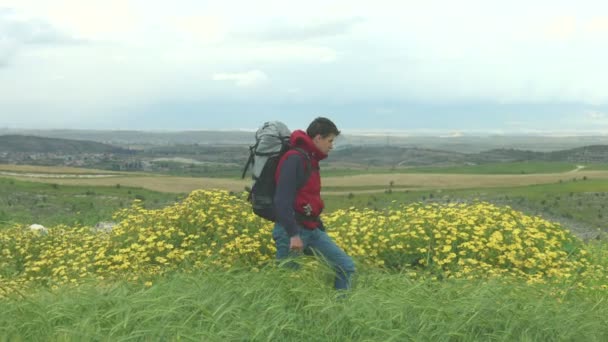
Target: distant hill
[34, 144]
[585, 154]
[398, 156]
[407, 156]
[361, 155]
[143, 138]
[508, 155]
[468, 143]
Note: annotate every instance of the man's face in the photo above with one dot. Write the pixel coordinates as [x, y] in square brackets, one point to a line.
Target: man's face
[324, 144]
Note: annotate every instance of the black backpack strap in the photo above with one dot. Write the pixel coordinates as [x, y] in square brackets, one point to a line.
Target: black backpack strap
[250, 160]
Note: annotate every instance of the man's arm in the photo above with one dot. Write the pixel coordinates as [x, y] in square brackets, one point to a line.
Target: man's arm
[286, 191]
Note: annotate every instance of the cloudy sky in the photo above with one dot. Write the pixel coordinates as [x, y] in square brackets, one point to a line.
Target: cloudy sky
[416, 66]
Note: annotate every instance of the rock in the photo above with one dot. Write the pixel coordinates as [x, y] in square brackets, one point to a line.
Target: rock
[38, 228]
[104, 226]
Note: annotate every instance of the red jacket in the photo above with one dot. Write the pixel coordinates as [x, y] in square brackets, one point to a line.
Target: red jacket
[308, 200]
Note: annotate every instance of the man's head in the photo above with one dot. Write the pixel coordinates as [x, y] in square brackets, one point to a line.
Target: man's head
[323, 132]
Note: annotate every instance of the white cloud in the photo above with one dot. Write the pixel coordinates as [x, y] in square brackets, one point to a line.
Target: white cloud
[200, 28]
[453, 134]
[88, 20]
[347, 51]
[516, 123]
[18, 33]
[303, 30]
[597, 116]
[251, 78]
[563, 28]
[291, 53]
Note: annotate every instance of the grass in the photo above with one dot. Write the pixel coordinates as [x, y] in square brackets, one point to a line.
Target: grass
[373, 182]
[360, 188]
[286, 306]
[597, 167]
[511, 168]
[500, 168]
[51, 204]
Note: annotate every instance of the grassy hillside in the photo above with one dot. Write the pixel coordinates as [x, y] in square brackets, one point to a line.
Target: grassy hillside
[34, 144]
[585, 154]
[374, 156]
[393, 155]
[202, 269]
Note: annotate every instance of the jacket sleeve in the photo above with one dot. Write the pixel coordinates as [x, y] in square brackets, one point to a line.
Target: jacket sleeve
[291, 171]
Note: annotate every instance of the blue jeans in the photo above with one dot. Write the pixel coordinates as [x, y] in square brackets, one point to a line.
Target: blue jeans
[318, 242]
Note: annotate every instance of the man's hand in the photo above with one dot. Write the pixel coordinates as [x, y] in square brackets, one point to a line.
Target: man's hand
[295, 243]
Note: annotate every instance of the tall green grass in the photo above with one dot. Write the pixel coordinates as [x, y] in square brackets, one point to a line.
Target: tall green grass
[300, 305]
[52, 204]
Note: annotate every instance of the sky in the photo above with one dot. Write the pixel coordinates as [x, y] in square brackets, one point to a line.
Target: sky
[404, 66]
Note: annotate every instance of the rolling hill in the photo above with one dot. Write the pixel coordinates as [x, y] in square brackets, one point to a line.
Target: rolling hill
[35, 144]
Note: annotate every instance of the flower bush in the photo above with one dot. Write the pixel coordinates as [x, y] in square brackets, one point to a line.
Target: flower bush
[216, 229]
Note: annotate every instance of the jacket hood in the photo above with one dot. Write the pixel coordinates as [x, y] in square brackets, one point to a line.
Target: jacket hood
[300, 139]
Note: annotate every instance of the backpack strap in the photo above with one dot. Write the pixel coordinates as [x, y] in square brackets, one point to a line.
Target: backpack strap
[307, 166]
[307, 172]
[251, 157]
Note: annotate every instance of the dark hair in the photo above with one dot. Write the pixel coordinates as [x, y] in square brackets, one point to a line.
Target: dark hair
[322, 126]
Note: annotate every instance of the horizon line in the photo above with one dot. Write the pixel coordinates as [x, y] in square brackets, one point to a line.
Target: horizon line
[371, 132]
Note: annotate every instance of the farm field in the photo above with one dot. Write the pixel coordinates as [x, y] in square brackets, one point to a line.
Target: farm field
[54, 170]
[337, 184]
[493, 168]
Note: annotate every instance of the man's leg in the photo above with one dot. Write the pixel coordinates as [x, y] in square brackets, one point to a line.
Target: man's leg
[281, 241]
[335, 256]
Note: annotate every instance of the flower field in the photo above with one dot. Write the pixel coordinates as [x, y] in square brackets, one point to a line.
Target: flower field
[216, 229]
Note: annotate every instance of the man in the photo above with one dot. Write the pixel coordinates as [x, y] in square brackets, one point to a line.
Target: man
[298, 227]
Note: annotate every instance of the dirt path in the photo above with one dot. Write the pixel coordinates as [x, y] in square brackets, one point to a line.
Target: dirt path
[578, 168]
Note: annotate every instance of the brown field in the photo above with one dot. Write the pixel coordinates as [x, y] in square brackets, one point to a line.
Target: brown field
[348, 183]
[156, 183]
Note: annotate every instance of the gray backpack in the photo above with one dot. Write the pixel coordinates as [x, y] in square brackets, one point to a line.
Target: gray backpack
[271, 142]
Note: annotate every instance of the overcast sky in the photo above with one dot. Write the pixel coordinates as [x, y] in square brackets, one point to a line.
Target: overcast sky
[455, 66]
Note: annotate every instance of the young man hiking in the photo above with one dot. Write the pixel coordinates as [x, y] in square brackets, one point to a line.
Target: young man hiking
[298, 227]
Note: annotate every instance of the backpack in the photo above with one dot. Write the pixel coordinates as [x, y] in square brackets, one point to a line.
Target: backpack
[271, 143]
